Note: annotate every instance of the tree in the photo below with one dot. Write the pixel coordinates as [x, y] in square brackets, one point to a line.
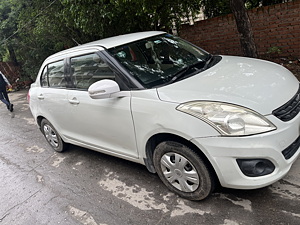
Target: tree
[42, 28]
[8, 13]
[257, 3]
[104, 18]
[31, 30]
[41, 32]
[213, 8]
[244, 28]
[45, 27]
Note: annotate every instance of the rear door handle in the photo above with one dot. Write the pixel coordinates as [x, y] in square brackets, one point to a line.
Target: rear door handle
[41, 96]
[74, 101]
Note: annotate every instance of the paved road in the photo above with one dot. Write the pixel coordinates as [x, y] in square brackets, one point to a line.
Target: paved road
[39, 186]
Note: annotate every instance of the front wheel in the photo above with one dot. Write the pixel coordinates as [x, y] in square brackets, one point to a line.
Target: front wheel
[52, 136]
[183, 171]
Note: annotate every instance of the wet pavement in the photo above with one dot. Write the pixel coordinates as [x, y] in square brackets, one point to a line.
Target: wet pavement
[80, 186]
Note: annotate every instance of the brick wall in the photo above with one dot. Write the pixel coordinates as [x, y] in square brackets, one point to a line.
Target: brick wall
[273, 26]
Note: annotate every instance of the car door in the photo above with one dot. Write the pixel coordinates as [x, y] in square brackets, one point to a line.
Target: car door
[51, 95]
[103, 124]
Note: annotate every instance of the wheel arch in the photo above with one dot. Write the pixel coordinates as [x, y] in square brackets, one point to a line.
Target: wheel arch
[39, 120]
[158, 138]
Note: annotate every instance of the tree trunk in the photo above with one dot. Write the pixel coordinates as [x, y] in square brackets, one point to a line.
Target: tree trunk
[12, 55]
[244, 28]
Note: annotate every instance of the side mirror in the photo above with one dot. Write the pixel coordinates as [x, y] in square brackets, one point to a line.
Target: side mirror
[103, 89]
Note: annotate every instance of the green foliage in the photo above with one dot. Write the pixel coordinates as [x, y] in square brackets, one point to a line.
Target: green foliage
[274, 50]
[35, 29]
[42, 32]
[103, 18]
[8, 25]
[32, 30]
[213, 8]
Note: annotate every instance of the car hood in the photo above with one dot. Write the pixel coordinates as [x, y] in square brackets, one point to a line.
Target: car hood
[256, 84]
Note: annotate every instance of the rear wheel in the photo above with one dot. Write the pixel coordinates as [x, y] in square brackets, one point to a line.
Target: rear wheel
[183, 171]
[52, 136]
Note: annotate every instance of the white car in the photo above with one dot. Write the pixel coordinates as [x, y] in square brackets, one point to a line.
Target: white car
[195, 119]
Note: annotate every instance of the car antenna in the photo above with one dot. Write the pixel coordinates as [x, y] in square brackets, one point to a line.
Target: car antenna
[76, 41]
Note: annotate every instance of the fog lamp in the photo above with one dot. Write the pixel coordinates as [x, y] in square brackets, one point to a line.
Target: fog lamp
[255, 167]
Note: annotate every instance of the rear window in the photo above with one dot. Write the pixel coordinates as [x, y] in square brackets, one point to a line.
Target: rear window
[53, 75]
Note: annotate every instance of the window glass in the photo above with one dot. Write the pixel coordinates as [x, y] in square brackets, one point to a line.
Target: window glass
[87, 69]
[55, 73]
[44, 77]
[161, 59]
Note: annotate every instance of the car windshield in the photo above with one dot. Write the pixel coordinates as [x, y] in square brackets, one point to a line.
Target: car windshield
[161, 60]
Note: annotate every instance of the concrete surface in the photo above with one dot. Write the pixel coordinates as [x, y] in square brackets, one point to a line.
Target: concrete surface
[80, 186]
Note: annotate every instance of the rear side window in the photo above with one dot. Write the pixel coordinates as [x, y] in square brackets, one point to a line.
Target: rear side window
[87, 69]
[53, 75]
[44, 78]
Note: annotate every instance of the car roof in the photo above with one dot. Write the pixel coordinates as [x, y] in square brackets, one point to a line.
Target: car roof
[123, 39]
[110, 42]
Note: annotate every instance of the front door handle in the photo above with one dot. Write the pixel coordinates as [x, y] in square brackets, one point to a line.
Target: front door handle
[74, 101]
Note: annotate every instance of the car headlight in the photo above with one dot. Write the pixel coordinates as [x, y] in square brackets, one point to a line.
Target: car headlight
[228, 119]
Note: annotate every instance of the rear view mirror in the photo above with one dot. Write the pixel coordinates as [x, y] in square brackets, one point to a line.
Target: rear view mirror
[103, 89]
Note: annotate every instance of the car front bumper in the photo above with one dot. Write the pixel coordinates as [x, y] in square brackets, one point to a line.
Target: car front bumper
[223, 153]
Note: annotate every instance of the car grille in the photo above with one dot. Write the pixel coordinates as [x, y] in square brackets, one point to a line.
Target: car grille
[292, 149]
[290, 109]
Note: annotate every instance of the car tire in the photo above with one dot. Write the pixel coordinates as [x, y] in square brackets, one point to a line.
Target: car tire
[52, 136]
[183, 171]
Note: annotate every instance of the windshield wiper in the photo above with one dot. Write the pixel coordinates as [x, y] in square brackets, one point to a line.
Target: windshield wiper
[208, 61]
[181, 73]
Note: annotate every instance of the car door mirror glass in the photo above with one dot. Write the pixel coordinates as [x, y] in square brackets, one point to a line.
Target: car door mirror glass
[103, 89]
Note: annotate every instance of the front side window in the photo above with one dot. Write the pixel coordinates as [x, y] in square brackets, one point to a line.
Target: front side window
[87, 69]
[53, 75]
[160, 60]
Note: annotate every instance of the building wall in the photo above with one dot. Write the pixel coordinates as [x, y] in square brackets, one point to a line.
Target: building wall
[276, 26]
